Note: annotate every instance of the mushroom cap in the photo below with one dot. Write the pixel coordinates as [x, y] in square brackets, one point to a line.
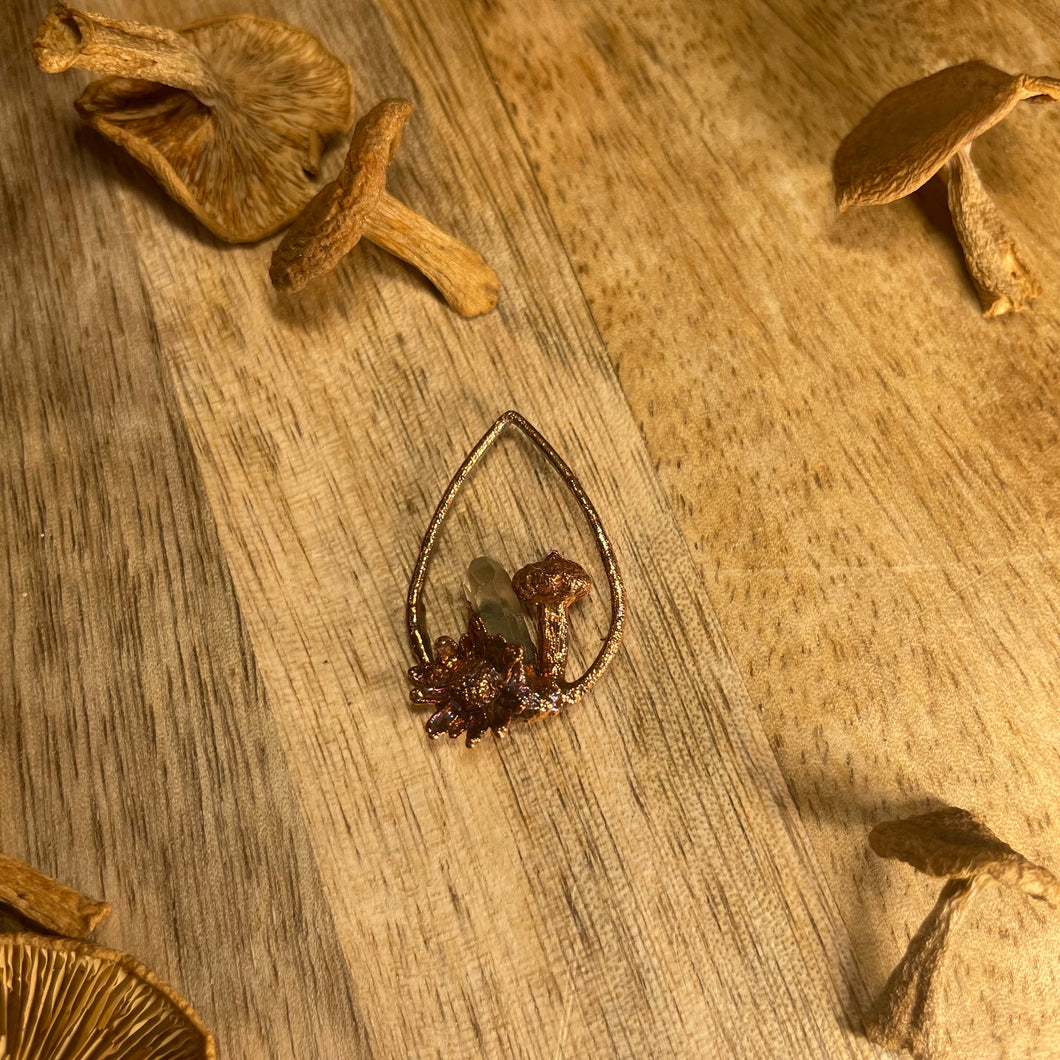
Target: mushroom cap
[240, 166]
[96, 1002]
[552, 580]
[912, 132]
[952, 843]
[334, 221]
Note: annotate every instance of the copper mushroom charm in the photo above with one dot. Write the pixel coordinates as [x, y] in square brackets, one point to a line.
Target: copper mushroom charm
[356, 205]
[552, 585]
[927, 128]
[229, 115]
[952, 844]
[484, 681]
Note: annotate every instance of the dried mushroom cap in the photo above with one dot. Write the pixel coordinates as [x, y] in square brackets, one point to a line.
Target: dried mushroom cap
[927, 128]
[552, 580]
[229, 114]
[337, 216]
[912, 132]
[356, 205]
[952, 843]
[94, 1002]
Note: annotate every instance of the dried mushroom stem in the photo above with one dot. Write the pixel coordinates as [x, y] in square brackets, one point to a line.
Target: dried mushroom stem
[87, 41]
[460, 273]
[905, 1016]
[1003, 282]
[46, 903]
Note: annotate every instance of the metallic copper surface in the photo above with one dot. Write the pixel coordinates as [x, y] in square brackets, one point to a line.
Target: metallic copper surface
[482, 682]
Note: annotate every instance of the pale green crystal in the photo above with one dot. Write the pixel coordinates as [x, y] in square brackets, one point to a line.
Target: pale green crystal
[488, 589]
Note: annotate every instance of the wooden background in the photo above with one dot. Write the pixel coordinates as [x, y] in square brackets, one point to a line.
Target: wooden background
[830, 483]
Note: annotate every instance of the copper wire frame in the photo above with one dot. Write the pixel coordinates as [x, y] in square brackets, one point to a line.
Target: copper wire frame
[415, 613]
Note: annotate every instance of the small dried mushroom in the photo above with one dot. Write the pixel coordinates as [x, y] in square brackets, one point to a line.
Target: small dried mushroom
[927, 128]
[356, 204]
[230, 114]
[61, 997]
[952, 844]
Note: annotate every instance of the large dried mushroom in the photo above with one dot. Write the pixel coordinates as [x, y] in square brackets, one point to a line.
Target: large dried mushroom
[951, 844]
[357, 205]
[83, 1002]
[62, 997]
[230, 114]
[926, 128]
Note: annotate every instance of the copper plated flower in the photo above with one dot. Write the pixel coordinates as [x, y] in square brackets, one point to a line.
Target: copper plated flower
[476, 683]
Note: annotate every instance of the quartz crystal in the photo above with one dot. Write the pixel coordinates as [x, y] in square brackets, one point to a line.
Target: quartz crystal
[488, 589]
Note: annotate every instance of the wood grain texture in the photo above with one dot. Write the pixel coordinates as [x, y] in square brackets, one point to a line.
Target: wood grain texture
[626, 881]
[865, 468]
[139, 761]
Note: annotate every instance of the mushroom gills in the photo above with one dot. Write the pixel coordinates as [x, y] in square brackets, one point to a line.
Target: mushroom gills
[228, 114]
[59, 995]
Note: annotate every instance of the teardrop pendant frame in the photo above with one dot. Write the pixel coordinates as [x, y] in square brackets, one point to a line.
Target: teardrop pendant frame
[566, 692]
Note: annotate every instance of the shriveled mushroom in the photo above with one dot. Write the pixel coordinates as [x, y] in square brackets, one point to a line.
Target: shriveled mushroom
[949, 843]
[80, 1001]
[230, 114]
[552, 584]
[356, 204]
[47, 903]
[927, 128]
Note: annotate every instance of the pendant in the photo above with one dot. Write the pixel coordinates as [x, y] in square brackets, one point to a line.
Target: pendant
[494, 673]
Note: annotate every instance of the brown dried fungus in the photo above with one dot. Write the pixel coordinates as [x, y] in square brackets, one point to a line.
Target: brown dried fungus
[927, 128]
[230, 114]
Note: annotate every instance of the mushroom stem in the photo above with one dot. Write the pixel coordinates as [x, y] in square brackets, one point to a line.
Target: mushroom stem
[553, 641]
[87, 41]
[47, 903]
[904, 1015]
[1003, 282]
[464, 279]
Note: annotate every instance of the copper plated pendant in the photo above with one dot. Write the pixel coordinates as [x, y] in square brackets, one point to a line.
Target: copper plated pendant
[485, 680]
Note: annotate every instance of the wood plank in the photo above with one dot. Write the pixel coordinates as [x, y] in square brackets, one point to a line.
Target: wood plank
[140, 761]
[865, 468]
[629, 880]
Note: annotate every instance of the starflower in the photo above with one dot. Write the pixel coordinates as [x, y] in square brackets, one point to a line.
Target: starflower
[477, 683]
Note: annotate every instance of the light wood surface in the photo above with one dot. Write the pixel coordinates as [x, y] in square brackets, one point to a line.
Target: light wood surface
[867, 471]
[213, 496]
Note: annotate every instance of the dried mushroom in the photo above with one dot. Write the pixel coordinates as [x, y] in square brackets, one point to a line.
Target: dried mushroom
[356, 205]
[230, 114]
[952, 844]
[46, 903]
[77, 1000]
[927, 128]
